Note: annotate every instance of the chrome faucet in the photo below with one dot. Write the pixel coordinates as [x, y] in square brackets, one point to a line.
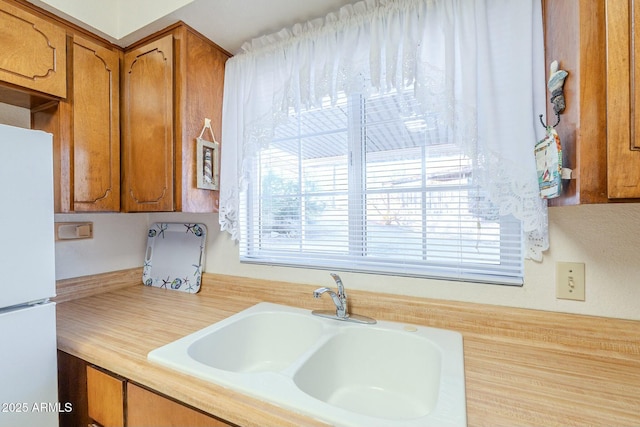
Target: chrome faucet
[339, 299]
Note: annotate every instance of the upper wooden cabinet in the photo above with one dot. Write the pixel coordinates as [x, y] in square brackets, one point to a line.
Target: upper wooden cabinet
[623, 99]
[147, 124]
[596, 43]
[33, 52]
[575, 36]
[171, 82]
[96, 127]
[86, 129]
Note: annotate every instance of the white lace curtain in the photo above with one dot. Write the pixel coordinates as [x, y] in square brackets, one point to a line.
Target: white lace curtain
[479, 63]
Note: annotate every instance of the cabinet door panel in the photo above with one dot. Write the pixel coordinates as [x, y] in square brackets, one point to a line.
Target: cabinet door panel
[72, 389]
[105, 397]
[623, 99]
[148, 127]
[635, 75]
[96, 127]
[33, 52]
[145, 408]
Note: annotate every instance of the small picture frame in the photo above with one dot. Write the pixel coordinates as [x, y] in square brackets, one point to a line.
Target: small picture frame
[208, 160]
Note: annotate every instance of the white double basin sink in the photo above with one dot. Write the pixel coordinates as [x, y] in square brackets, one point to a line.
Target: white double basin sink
[388, 374]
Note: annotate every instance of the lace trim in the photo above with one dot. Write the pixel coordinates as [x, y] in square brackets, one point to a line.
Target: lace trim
[229, 214]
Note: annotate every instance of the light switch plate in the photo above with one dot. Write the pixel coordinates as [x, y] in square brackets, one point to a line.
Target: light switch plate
[570, 281]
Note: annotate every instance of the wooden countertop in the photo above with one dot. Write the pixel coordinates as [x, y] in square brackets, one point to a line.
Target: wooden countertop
[522, 367]
[116, 330]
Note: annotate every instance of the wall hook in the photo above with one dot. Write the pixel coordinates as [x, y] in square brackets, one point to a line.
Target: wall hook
[544, 125]
[556, 87]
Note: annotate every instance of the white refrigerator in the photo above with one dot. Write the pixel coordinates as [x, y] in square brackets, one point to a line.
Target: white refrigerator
[28, 367]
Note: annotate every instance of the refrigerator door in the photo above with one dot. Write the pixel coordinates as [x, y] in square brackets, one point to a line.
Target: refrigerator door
[27, 254]
[28, 372]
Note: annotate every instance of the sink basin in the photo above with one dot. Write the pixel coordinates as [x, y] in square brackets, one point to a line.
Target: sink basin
[389, 374]
[258, 343]
[375, 372]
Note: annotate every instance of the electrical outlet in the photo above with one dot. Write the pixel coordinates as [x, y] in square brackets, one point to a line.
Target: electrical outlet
[570, 280]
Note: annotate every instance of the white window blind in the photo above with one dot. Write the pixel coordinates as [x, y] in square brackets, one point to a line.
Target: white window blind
[371, 185]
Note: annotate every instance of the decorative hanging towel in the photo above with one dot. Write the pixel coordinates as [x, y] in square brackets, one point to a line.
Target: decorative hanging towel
[548, 151]
[549, 164]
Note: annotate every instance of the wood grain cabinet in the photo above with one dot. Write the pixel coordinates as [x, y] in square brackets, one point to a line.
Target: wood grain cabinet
[72, 390]
[575, 37]
[145, 408]
[171, 82]
[596, 43]
[623, 99]
[100, 398]
[86, 129]
[33, 51]
[105, 398]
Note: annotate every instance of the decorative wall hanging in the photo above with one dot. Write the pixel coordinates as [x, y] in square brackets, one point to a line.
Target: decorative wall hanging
[208, 160]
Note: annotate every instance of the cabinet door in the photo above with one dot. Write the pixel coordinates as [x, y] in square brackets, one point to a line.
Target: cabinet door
[623, 99]
[200, 93]
[145, 408]
[105, 397]
[72, 390]
[86, 131]
[96, 127]
[148, 130]
[33, 52]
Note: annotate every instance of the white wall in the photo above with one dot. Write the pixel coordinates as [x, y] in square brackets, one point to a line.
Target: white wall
[605, 237]
[118, 243]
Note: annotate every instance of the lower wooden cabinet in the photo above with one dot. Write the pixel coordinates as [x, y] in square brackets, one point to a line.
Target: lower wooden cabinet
[145, 408]
[105, 398]
[100, 398]
[72, 390]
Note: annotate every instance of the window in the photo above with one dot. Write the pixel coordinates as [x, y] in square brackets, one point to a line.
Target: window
[373, 185]
[391, 137]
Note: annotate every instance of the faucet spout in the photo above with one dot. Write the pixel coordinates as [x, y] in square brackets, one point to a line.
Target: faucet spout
[340, 301]
[318, 292]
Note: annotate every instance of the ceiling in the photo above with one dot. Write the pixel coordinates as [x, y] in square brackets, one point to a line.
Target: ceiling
[229, 23]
